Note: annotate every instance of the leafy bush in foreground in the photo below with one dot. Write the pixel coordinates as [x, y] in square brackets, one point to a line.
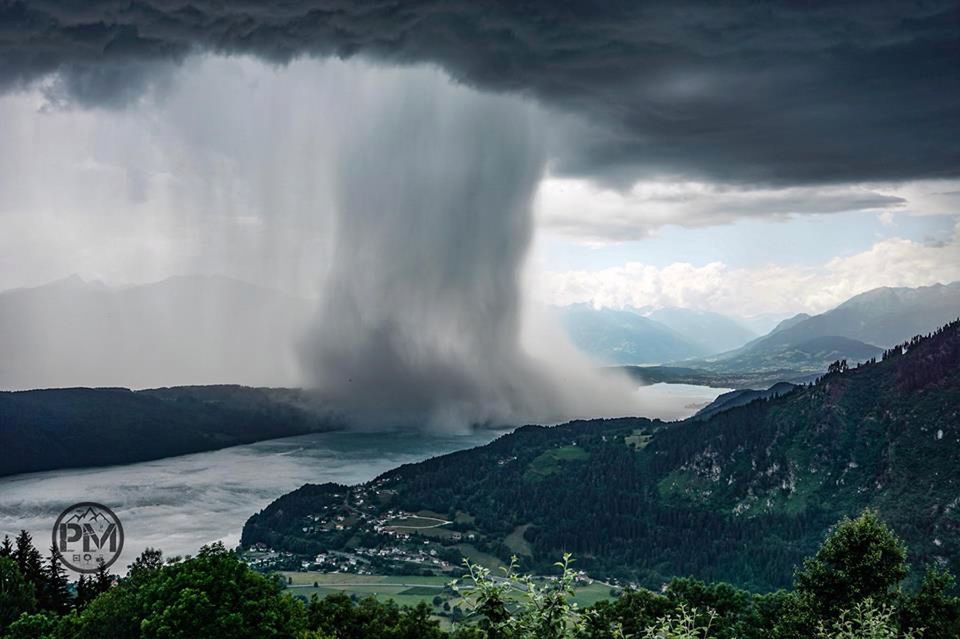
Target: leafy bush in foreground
[851, 589]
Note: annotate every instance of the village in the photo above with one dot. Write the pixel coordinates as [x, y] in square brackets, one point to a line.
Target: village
[360, 534]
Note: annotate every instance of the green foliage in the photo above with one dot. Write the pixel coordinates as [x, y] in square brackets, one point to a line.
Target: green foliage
[934, 607]
[341, 617]
[681, 625]
[216, 595]
[518, 607]
[16, 593]
[211, 595]
[862, 558]
[865, 620]
[42, 625]
[553, 461]
[26, 584]
[54, 594]
[630, 614]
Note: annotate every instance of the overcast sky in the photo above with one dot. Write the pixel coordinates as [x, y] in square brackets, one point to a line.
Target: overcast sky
[429, 169]
[738, 158]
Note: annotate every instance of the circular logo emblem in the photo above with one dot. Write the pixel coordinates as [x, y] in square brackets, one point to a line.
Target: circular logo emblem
[86, 535]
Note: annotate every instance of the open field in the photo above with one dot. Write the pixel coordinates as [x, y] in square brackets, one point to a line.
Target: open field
[405, 590]
[517, 544]
[416, 523]
[552, 461]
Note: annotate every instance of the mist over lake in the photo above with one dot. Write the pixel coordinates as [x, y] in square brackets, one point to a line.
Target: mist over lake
[180, 503]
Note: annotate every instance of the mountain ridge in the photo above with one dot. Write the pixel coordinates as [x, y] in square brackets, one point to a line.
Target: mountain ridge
[741, 496]
[73, 333]
[50, 429]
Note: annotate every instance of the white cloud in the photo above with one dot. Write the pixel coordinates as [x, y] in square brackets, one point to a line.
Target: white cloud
[581, 210]
[753, 291]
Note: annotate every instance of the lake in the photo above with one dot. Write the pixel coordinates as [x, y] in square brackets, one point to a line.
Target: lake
[676, 401]
[180, 503]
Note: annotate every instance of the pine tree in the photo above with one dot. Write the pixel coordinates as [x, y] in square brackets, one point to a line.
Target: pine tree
[6, 548]
[29, 560]
[103, 579]
[54, 595]
[84, 593]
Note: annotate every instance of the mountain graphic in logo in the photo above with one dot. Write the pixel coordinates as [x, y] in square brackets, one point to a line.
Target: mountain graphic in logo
[88, 515]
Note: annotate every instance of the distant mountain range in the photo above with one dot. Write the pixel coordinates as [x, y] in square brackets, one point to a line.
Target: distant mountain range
[882, 317]
[712, 331]
[183, 330]
[640, 336]
[857, 330]
[615, 336]
[725, 348]
[212, 330]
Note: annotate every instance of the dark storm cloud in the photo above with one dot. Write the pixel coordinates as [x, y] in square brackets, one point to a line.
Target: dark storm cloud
[746, 91]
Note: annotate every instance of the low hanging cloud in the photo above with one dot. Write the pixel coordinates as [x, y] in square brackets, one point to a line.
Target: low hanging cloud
[744, 92]
[754, 291]
[581, 210]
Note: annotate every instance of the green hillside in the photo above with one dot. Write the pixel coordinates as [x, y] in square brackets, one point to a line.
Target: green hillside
[79, 427]
[740, 497]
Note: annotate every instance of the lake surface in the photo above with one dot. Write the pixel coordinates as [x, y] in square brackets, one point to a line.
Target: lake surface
[677, 401]
[180, 503]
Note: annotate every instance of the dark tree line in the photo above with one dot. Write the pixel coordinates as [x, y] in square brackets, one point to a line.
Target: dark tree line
[36, 584]
[861, 565]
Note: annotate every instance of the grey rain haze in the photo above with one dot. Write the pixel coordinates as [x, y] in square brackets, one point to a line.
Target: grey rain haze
[400, 182]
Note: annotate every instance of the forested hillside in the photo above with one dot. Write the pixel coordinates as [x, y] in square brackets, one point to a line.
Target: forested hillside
[77, 427]
[740, 497]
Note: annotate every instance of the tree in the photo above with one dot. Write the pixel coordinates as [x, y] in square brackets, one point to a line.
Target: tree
[16, 593]
[6, 548]
[839, 366]
[85, 593]
[212, 595]
[28, 559]
[149, 561]
[54, 594]
[860, 559]
[633, 612]
[934, 607]
[340, 616]
[102, 579]
[545, 611]
[784, 615]
[42, 625]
